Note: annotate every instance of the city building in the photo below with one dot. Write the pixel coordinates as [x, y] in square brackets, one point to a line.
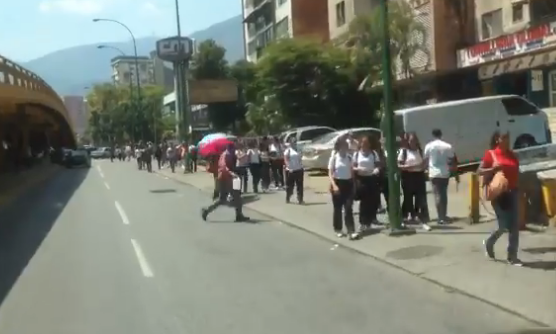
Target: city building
[449, 25]
[267, 20]
[515, 50]
[78, 113]
[163, 73]
[124, 72]
[199, 113]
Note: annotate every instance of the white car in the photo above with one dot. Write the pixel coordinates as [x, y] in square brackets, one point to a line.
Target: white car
[101, 153]
[317, 153]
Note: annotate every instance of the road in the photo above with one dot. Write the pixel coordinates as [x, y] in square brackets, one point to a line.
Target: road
[115, 250]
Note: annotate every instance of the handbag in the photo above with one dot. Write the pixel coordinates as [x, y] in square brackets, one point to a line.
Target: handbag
[494, 185]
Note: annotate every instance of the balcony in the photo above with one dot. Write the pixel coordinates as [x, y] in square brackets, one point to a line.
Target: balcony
[261, 40]
[255, 30]
[258, 8]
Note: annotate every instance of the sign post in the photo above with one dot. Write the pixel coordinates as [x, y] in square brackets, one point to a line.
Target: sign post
[179, 51]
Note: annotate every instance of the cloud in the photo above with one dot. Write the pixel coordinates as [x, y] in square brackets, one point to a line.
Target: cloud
[149, 8]
[82, 7]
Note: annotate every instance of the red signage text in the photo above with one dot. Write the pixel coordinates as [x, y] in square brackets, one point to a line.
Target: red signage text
[510, 41]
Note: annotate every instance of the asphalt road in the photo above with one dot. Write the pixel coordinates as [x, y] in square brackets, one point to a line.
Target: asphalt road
[114, 250]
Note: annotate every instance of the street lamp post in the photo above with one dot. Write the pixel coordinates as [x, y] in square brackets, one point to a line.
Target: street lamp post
[137, 79]
[394, 213]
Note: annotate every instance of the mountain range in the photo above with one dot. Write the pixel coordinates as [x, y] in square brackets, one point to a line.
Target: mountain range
[70, 71]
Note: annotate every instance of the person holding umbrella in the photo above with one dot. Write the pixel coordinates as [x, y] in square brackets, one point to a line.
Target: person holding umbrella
[225, 179]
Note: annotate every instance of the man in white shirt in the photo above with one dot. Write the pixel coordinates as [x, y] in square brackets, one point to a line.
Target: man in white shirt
[441, 158]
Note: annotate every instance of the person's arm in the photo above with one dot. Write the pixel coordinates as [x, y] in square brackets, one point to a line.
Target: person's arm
[487, 165]
[286, 158]
[331, 167]
[401, 162]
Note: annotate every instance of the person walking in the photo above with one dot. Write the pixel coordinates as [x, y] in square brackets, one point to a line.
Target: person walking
[226, 165]
[366, 168]
[242, 166]
[254, 158]
[265, 164]
[501, 158]
[276, 155]
[340, 173]
[294, 172]
[158, 156]
[441, 161]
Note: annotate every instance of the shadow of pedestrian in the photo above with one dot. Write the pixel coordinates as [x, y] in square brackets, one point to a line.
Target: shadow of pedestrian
[162, 191]
[314, 203]
[540, 250]
[542, 265]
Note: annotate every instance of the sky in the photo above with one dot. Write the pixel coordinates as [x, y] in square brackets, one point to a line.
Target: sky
[33, 28]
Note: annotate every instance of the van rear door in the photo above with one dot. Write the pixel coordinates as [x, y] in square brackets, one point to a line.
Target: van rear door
[526, 123]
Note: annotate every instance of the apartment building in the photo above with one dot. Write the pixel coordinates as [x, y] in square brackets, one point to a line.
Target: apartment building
[448, 25]
[515, 49]
[267, 20]
[124, 72]
[163, 73]
[78, 113]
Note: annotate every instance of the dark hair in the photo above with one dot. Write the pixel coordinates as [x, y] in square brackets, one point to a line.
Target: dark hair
[494, 139]
[418, 143]
[437, 133]
[339, 142]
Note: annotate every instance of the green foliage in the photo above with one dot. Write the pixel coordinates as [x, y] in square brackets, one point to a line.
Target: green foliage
[117, 115]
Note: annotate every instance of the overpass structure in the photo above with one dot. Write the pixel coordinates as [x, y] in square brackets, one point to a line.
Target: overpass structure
[32, 115]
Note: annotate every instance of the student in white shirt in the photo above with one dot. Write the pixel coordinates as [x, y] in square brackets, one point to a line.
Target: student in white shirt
[294, 172]
[366, 168]
[265, 164]
[276, 153]
[254, 158]
[441, 161]
[413, 180]
[340, 172]
[242, 165]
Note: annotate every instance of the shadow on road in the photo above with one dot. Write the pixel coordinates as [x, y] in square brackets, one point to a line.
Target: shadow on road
[26, 222]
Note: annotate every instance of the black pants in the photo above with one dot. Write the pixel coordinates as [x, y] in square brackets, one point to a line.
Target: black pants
[192, 162]
[343, 199]
[384, 189]
[159, 163]
[216, 191]
[277, 169]
[225, 188]
[414, 190]
[369, 198]
[255, 170]
[242, 172]
[265, 175]
[294, 179]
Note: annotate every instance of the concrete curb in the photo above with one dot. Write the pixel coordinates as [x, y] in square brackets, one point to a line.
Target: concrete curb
[379, 259]
[14, 193]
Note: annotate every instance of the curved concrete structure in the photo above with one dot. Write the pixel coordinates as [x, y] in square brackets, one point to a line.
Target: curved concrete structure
[32, 115]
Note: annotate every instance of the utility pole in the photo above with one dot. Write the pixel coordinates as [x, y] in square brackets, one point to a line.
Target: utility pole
[394, 214]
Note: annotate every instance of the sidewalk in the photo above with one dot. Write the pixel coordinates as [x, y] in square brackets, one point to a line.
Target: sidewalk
[451, 256]
[13, 185]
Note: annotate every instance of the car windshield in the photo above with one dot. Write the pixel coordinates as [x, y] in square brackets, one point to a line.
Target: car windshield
[326, 138]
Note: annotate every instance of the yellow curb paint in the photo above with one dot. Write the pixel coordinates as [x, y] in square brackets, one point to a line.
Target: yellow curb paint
[15, 192]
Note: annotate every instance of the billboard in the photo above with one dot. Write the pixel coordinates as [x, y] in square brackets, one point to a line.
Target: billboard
[212, 91]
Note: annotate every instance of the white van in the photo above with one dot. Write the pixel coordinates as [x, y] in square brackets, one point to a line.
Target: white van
[469, 124]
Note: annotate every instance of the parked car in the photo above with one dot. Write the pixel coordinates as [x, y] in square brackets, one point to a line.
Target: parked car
[77, 158]
[305, 135]
[317, 153]
[101, 153]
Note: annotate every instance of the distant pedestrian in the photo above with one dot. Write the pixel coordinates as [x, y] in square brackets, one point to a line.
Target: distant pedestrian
[294, 172]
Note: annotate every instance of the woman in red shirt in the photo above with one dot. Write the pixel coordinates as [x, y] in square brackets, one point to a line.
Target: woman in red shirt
[501, 158]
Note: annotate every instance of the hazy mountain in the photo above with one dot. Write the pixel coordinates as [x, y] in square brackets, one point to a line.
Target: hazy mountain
[70, 70]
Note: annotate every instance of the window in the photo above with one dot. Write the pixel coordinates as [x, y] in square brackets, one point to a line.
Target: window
[516, 106]
[517, 12]
[313, 133]
[283, 27]
[491, 24]
[340, 13]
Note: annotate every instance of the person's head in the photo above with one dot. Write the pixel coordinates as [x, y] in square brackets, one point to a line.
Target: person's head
[341, 146]
[293, 142]
[275, 140]
[500, 140]
[413, 141]
[231, 147]
[365, 143]
[436, 133]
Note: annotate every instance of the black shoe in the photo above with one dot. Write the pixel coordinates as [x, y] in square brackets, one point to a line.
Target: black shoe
[287, 200]
[204, 214]
[489, 251]
[301, 202]
[515, 262]
[241, 219]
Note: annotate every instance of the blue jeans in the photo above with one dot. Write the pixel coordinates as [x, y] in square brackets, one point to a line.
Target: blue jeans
[507, 221]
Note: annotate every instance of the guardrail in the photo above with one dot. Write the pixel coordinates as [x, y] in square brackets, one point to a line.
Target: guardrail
[15, 76]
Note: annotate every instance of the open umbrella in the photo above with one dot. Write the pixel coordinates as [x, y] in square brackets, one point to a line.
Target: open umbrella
[214, 146]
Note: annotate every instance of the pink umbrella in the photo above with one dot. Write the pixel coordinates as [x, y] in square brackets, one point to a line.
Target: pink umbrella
[214, 147]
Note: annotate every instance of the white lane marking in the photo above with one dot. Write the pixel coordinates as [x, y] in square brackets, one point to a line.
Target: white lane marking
[143, 263]
[100, 171]
[121, 211]
[107, 185]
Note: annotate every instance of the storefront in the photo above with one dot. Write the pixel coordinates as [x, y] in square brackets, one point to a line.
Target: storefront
[523, 63]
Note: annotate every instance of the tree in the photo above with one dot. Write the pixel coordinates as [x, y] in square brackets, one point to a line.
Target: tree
[210, 63]
[309, 82]
[408, 38]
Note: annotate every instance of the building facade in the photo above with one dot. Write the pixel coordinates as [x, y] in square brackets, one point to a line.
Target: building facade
[163, 73]
[515, 49]
[267, 20]
[448, 25]
[124, 72]
[78, 113]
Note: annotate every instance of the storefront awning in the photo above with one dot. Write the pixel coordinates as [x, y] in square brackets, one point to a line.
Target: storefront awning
[517, 64]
